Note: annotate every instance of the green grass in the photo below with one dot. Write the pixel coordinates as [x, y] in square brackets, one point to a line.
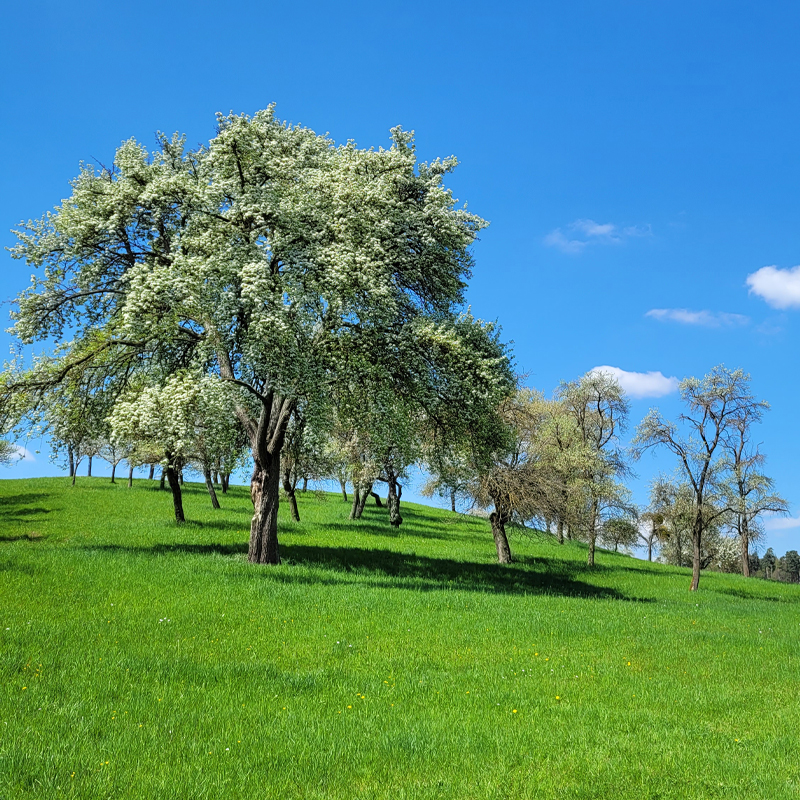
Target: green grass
[143, 660]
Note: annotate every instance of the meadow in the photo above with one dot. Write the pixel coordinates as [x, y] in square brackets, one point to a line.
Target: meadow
[140, 659]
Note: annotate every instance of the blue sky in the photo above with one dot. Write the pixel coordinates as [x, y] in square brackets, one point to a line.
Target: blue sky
[637, 161]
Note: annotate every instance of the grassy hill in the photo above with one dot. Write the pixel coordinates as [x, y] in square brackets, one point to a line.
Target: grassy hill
[143, 660]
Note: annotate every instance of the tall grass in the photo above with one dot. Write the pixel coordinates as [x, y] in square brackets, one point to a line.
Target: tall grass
[141, 659]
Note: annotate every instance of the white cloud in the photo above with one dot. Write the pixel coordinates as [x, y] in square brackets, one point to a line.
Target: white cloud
[23, 453]
[584, 232]
[780, 288]
[781, 523]
[708, 319]
[641, 384]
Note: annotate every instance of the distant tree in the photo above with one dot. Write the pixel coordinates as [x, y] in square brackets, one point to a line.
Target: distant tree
[513, 482]
[769, 563]
[619, 532]
[188, 418]
[790, 566]
[715, 404]
[599, 410]
[749, 491]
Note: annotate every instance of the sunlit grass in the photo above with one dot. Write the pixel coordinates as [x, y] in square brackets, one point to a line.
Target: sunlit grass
[140, 659]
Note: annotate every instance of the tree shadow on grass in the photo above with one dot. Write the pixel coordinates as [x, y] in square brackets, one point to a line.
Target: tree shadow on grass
[20, 508]
[745, 595]
[392, 570]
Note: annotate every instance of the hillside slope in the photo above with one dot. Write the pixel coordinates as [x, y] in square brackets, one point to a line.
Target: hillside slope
[140, 659]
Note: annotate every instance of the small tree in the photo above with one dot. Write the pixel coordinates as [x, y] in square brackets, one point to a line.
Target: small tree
[715, 405]
[599, 410]
[749, 491]
[619, 532]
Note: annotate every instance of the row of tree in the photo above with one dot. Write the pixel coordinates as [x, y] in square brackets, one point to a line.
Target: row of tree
[277, 300]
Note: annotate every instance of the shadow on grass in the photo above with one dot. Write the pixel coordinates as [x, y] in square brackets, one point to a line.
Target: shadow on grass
[745, 595]
[19, 508]
[389, 569]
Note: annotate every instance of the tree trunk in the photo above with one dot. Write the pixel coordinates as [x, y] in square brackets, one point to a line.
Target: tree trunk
[498, 521]
[89, 470]
[180, 476]
[288, 487]
[163, 477]
[650, 548]
[113, 472]
[130, 475]
[362, 499]
[226, 477]
[305, 484]
[453, 500]
[216, 477]
[744, 534]
[71, 457]
[356, 502]
[175, 486]
[265, 493]
[377, 499]
[210, 486]
[393, 501]
[343, 484]
[592, 535]
[560, 530]
[697, 533]
[152, 472]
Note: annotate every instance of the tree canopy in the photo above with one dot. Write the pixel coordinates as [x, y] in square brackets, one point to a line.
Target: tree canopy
[275, 260]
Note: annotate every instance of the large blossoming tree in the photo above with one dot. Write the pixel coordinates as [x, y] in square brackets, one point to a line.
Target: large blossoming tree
[274, 259]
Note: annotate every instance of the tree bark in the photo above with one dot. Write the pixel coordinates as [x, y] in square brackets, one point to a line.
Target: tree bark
[362, 499]
[89, 469]
[113, 472]
[356, 502]
[592, 535]
[377, 497]
[130, 475]
[288, 487]
[744, 534]
[697, 533]
[265, 493]
[343, 484]
[152, 472]
[453, 500]
[560, 530]
[163, 477]
[393, 501]
[210, 486]
[71, 457]
[498, 520]
[175, 486]
[305, 484]
[226, 477]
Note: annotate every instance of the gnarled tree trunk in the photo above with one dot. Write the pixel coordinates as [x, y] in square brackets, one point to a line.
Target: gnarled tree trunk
[393, 501]
[498, 518]
[265, 493]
